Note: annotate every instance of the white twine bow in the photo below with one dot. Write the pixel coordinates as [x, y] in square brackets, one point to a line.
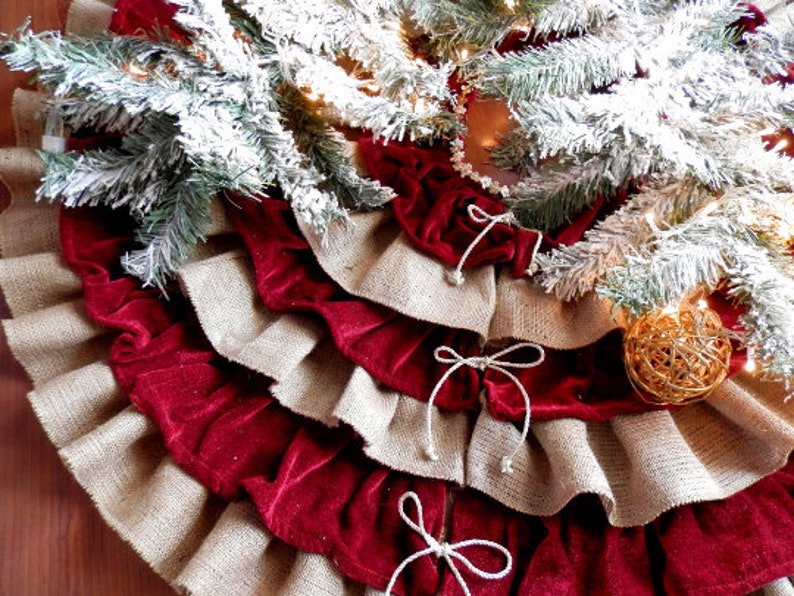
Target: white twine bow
[533, 267]
[444, 550]
[446, 355]
[455, 277]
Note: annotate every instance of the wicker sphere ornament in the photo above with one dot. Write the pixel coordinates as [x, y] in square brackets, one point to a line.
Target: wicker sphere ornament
[677, 355]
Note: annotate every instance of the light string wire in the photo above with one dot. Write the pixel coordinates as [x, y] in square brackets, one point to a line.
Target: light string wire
[446, 551]
[446, 355]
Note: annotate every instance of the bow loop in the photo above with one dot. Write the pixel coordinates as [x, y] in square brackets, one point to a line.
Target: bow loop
[495, 357]
[471, 567]
[418, 527]
[447, 355]
[478, 215]
[449, 552]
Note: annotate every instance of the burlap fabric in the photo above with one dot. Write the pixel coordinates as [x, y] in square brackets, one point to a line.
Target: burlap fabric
[371, 257]
[198, 543]
[639, 465]
[192, 539]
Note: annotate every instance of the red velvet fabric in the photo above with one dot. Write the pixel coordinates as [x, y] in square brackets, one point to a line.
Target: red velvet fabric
[146, 18]
[432, 202]
[314, 489]
[431, 206]
[589, 383]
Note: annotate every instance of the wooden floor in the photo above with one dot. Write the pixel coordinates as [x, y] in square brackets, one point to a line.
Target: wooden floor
[52, 542]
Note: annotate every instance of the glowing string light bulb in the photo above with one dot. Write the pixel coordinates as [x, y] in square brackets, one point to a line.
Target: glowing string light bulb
[750, 366]
[135, 71]
[709, 208]
[312, 95]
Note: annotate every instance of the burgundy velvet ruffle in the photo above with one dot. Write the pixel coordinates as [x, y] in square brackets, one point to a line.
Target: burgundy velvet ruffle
[315, 490]
[589, 383]
[431, 206]
[432, 202]
[146, 18]
[432, 198]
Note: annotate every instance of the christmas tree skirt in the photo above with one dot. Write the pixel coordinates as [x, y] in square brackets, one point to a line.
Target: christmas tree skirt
[264, 429]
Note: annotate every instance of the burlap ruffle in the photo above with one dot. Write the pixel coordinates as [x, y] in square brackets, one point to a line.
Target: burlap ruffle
[640, 465]
[371, 258]
[196, 542]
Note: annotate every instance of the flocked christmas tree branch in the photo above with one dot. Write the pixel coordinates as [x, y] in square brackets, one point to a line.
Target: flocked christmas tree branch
[669, 113]
[571, 16]
[572, 271]
[464, 28]
[215, 107]
[367, 33]
[744, 240]
[567, 67]
[670, 97]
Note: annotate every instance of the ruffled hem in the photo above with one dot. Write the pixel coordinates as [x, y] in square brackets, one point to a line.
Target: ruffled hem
[223, 427]
[195, 541]
[373, 259]
[639, 466]
[432, 204]
[589, 383]
[198, 543]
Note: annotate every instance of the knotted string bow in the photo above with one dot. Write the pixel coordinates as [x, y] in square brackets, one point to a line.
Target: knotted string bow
[478, 215]
[446, 355]
[444, 550]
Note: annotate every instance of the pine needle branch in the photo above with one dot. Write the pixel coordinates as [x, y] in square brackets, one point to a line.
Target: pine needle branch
[477, 26]
[419, 119]
[571, 271]
[329, 154]
[731, 243]
[136, 175]
[573, 16]
[169, 232]
[367, 33]
[549, 198]
[569, 66]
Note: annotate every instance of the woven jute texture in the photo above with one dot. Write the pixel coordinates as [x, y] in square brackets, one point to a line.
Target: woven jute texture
[371, 257]
[204, 546]
[640, 465]
[198, 543]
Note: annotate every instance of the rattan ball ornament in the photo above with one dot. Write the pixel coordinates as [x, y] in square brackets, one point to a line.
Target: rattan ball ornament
[677, 355]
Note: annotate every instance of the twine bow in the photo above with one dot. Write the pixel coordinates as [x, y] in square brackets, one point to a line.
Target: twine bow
[444, 550]
[533, 267]
[446, 355]
[478, 215]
